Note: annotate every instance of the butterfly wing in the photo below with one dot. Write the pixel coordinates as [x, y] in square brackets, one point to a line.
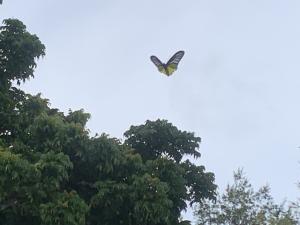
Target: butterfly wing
[172, 64]
[158, 64]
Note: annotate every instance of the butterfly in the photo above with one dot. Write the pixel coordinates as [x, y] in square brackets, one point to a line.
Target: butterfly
[171, 66]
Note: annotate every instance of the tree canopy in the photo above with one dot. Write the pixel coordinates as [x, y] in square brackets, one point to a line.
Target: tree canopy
[240, 204]
[52, 171]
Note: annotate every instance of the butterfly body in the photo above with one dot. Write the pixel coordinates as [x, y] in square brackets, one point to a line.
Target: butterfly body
[171, 66]
[165, 69]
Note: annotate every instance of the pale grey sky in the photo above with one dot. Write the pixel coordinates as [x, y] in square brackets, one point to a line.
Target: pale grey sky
[237, 87]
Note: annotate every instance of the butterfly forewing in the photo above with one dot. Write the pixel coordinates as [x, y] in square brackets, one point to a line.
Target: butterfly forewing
[156, 61]
[158, 64]
[175, 59]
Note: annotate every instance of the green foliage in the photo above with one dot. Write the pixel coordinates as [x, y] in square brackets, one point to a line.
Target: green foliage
[66, 209]
[160, 138]
[162, 146]
[26, 185]
[145, 197]
[19, 50]
[240, 205]
[53, 172]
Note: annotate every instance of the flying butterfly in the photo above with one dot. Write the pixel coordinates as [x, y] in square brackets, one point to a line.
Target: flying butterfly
[171, 66]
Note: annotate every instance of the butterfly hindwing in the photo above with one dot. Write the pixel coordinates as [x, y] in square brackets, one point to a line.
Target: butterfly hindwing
[171, 69]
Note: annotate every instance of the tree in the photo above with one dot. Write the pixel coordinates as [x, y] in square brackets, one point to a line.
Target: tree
[19, 51]
[53, 172]
[241, 205]
[157, 138]
[162, 147]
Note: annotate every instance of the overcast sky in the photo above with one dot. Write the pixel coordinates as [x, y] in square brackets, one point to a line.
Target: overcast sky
[237, 87]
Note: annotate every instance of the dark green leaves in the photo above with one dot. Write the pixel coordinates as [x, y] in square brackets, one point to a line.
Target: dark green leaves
[66, 209]
[162, 147]
[157, 138]
[18, 51]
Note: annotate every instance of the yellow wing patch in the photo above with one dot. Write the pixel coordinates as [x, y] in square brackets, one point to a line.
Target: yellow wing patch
[171, 69]
[162, 70]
